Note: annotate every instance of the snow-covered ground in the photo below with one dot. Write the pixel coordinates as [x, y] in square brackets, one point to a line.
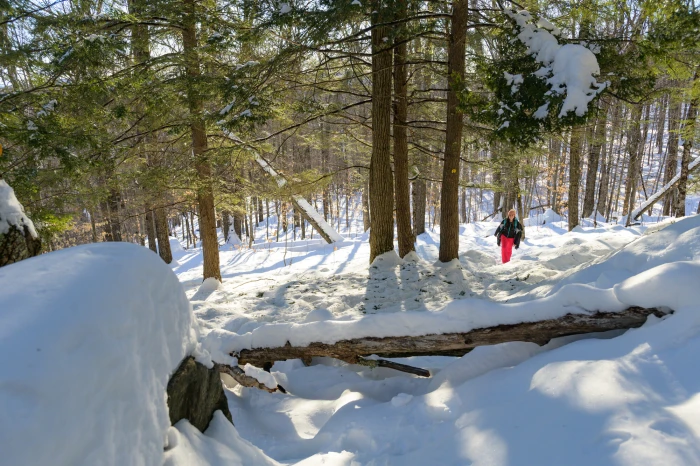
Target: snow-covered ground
[89, 335]
[618, 398]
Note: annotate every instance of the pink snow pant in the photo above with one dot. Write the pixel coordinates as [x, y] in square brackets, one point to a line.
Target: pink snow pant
[506, 248]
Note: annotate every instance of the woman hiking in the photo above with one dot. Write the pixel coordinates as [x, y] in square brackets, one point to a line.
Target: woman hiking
[508, 235]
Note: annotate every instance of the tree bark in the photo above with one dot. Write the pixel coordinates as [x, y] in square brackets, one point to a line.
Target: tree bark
[688, 139]
[419, 201]
[381, 192]
[575, 147]
[449, 194]
[163, 235]
[633, 149]
[150, 228]
[115, 226]
[539, 332]
[674, 119]
[205, 193]
[403, 201]
[594, 149]
[226, 223]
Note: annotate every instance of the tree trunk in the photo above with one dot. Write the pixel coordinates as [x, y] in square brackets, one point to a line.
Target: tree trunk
[449, 194]
[403, 201]
[162, 234]
[594, 150]
[115, 226]
[150, 228]
[381, 192]
[237, 225]
[455, 344]
[419, 201]
[674, 119]
[226, 224]
[688, 138]
[205, 193]
[575, 148]
[633, 149]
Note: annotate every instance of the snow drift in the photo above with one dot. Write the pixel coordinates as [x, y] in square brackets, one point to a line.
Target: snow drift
[89, 337]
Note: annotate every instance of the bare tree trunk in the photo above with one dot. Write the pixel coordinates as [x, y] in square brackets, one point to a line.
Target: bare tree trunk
[419, 202]
[688, 139]
[633, 149]
[575, 148]
[403, 201]
[150, 228]
[594, 150]
[162, 234]
[205, 194]
[381, 193]
[115, 226]
[449, 194]
[664, 102]
[225, 224]
[674, 118]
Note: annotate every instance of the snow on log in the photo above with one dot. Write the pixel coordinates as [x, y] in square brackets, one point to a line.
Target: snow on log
[354, 350]
[237, 374]
[653, 199]
[304, 208]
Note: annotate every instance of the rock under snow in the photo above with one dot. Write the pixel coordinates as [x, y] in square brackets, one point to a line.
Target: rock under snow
[89, 337]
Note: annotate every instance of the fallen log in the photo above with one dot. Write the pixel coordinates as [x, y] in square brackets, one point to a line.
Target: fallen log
[353, 351]
[237, 374]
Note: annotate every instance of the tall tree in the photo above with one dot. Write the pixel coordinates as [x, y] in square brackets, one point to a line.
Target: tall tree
[449, 194]
[688, 140]
[205, 192]
[403, 202]
[381, 186]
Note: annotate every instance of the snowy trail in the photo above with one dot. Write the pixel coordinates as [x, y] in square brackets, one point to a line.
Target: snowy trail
[621, 393]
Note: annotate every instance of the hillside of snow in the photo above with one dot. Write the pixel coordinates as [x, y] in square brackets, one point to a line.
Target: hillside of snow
[616, 398]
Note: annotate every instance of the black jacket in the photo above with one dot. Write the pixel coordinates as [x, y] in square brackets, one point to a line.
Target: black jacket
[510, 229]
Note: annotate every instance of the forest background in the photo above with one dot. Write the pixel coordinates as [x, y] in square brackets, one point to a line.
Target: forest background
[121, 120]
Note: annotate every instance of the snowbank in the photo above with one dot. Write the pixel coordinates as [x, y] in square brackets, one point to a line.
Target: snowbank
[676, 242]
[468, 314]
[88, 339]
[12, 212]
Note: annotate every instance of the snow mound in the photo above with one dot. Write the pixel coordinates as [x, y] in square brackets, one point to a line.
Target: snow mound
[221, 445]
[677, 242]
[548, 217]
[388, 260]
[318, 315]
[89, 337]
[12, 212]
[671, 285]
